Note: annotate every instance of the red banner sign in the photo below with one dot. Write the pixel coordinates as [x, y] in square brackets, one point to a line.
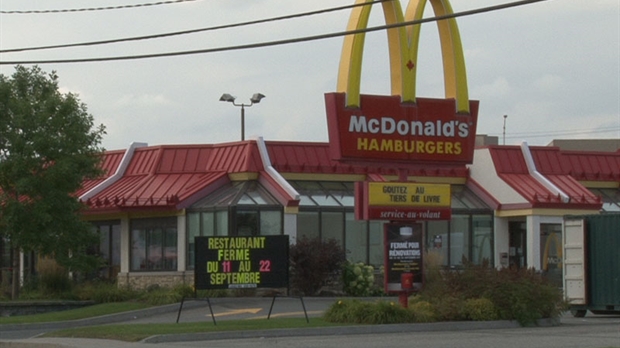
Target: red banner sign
[407, 214]
[384, 129]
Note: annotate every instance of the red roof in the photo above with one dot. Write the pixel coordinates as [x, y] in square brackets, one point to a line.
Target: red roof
[175, 176]
[508, 160]
[553, 164]
[315, 158]
[109, 165]
[592, 166]
[511, 167]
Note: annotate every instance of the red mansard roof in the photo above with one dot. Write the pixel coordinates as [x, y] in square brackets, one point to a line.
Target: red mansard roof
[175, 176]
[552, 163]
[315, 158]
[511, 167]
[592, 166]
[109, 165]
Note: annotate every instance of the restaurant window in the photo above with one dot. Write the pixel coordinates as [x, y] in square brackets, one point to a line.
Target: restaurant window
[241, 208]
[308, 224]
[109, 248]
[375, 243]
[154, 244]
[356, 238]
[437, 243]
[204, 224]
[465, 237]
[551, 252]
[459, 240]
[482, 248]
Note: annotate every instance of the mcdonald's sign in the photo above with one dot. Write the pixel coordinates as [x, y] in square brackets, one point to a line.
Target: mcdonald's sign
[402, 127]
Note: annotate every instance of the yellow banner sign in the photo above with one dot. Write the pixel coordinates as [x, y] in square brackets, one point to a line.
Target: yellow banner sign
[408, 194]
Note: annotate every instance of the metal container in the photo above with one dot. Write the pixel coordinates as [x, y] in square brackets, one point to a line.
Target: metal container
[592, 263]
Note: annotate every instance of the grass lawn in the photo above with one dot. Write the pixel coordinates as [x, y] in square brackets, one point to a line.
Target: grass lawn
[137, 332]
[75, 314]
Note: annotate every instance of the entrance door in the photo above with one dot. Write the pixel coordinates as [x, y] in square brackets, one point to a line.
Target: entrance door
[517, 247]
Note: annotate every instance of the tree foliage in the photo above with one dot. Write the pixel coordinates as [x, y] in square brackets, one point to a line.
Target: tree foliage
[48, 146]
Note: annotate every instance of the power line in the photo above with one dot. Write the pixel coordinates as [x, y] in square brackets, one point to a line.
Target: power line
[96, 8]
[556, 133]
[277, 42]
[227, 26]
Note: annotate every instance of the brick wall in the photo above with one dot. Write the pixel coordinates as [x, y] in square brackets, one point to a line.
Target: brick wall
[141, 281]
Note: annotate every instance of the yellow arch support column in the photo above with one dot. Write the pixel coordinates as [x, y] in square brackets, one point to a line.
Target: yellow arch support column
[403, 46]
[350, 69]
[455, 76]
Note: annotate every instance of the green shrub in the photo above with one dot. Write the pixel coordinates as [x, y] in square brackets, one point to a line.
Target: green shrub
[55, 283]
[358, 279]
[344, 311]
[423, 311]
[184, 290]
[312, 262]
[104, 292]
[387, 312]
[362, 312]
[524, 295]
[479, 309]
[160, 297]
[448, 308]
[521, 295]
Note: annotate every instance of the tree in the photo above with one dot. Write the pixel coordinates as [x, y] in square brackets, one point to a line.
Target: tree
[48, 146]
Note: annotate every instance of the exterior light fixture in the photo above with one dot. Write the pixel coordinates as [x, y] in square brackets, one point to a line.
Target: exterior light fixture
[256, 98]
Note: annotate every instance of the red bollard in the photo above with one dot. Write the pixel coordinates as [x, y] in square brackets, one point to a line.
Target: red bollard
[406, 283]
[403, 298]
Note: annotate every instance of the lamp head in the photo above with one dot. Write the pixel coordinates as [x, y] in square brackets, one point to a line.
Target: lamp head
[227, 98]
[256, 98]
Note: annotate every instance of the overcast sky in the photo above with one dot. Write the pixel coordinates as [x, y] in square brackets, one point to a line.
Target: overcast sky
[553, 67]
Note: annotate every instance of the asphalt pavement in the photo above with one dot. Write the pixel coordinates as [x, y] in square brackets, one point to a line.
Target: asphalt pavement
[592, 331]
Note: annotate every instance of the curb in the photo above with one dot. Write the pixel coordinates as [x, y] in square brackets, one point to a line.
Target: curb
[101, 320]
[347, 330]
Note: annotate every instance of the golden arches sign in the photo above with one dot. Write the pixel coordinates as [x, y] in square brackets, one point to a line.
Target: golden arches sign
[402, 127]
[403, 52]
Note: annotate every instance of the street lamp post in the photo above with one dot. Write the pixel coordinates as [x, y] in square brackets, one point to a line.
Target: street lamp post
[254, 100]
[504, 131]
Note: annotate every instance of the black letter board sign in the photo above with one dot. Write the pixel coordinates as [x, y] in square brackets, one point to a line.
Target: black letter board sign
[241, 262]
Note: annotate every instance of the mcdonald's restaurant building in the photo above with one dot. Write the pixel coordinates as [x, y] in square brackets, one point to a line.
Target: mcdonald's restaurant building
[507, 207]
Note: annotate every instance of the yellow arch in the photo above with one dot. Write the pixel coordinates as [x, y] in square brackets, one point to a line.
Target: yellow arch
[403, 43]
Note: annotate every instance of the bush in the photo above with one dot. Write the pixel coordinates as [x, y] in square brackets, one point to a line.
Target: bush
[358, 279]
[524, 295]
[448, 308]
[360, 312]
[423, 311]
[521, 295]
[104, 292]
[53, 279]
[479, 309]
[158, 296]
[312, 262]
